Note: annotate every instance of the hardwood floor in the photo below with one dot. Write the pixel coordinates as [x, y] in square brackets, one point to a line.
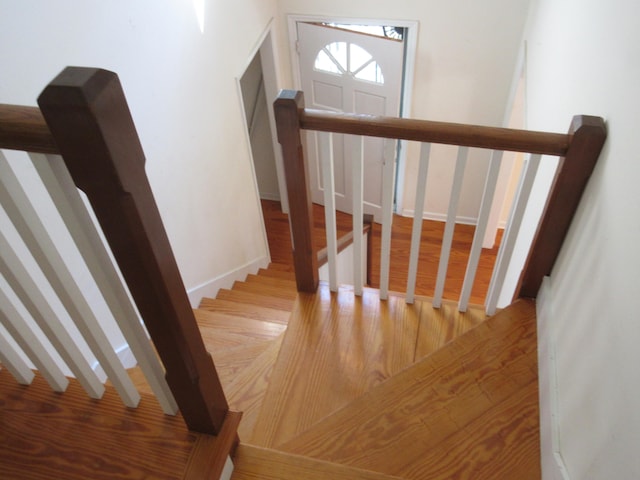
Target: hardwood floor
[469, 410]
[279, 237]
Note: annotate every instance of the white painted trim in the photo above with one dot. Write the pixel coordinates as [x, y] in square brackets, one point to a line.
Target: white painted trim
[228, 470]
[269, 59]
[255, 51]
[552, 463]
[271, 196]
[210, 288]
[411, 47]
[440, 217]
[126, 357]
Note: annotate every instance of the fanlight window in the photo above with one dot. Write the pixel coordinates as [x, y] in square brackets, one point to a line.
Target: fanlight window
[344, 58]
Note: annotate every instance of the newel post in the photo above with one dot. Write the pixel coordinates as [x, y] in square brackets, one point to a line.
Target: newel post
[588, 135]
[88, 116]
[287, 108]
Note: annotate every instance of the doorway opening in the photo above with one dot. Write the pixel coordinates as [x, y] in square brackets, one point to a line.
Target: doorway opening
[329, 57]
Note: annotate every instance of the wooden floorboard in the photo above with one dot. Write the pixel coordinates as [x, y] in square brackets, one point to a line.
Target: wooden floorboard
[246, 390]
[439, 326]
[46, 435]
[338, 347]
[249, 310]
[255, 463]
[248, 298]
[469, 387]
[279, 238]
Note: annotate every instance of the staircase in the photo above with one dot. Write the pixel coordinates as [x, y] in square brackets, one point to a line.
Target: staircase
[338, 386]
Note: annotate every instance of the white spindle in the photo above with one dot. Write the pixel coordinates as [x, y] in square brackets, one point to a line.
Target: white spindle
[31, 345]
[14, 363]
[510, 236]
[481, 227]
[447, 238]
[71, 207]
[358, 212]
[325, 153]
[418, 211]
[388, 188]
[38, 307]
[27, 222]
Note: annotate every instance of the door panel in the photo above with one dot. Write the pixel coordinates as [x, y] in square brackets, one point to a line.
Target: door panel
[349, 72]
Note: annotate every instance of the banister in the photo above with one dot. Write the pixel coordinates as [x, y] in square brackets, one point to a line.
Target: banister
[588, 135]
[579, 150]
[87, 114]
[24, 128]
[435, 132]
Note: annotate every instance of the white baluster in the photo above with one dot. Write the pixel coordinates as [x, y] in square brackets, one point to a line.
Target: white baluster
[13, 362]
[481, 227]
[447, 238]
[418, 211]
[26, 220]
[31, 345]
[38, 307]
[388, 188]
[511, 232]
[358, 211]
[65, 195]
[325, 147]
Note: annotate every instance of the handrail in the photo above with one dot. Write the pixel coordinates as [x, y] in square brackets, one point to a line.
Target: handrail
[578, 149]
[88, 118]
[435, 132]
[24, 128]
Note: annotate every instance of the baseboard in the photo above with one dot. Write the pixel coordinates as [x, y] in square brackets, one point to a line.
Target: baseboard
[270, 196]
[552, 463]
[210, 288]
[440, 217]
[126, 357]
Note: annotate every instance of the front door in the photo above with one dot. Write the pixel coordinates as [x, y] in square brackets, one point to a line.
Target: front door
[352, 72]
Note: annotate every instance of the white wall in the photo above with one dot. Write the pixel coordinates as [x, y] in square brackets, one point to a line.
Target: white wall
[181, 87]
[465, 62]
[583, 58]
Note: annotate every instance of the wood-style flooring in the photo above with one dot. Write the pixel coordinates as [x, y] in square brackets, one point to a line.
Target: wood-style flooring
[279, 237]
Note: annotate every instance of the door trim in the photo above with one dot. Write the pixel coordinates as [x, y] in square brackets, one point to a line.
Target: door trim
[411, 44]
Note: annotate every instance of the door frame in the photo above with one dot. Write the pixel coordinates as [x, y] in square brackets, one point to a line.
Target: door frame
[411, 47]
[266, 48]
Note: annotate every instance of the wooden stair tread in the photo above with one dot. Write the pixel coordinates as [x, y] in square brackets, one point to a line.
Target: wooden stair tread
[255, 312]
[265, 289]
[287, 284]
[231, 362]
[246, 390]
[337, 347]
[250, 298]
[102, 438]
[275, 272]
[282, 267]
[250, 327]
[255, 463]
[457, 391]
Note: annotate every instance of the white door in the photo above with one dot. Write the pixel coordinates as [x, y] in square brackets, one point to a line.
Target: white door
[346, 71]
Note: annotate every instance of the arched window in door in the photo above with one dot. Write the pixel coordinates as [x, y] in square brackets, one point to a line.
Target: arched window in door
[343, 58]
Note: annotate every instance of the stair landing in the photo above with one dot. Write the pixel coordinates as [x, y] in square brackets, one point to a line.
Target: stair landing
[48, 435]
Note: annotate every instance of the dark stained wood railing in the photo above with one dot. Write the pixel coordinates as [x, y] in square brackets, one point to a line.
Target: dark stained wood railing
[579, 150]
[588, 135]
[24, 128]
[84, 117]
